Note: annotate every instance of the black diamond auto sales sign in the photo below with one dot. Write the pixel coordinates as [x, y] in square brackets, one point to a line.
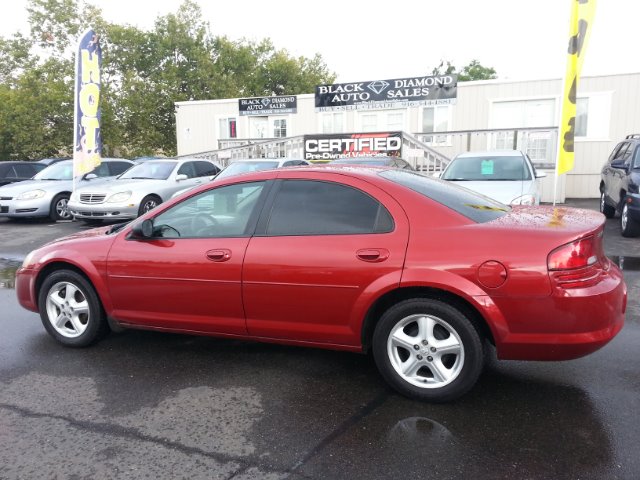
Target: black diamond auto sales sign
[268, 105]
[399, 92]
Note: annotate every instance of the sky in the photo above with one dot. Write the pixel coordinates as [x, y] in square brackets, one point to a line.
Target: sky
[377, 40]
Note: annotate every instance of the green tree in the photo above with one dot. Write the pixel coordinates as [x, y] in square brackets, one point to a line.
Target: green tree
[473, 71]
[144, 73]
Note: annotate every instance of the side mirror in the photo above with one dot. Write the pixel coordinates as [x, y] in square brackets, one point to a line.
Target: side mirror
[619, 164]
[181, 177]
[90, 176]
[540, 174]
[143, 229]
[437, 174]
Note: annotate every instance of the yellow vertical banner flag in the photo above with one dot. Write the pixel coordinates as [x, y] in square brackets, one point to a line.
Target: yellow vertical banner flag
[582, 13]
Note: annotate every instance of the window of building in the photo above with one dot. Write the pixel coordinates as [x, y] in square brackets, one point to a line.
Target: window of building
[332, 122]
[280, 127]
[258, 127]
[582, 110]
[305, 207]
[227, 128]
[369, 122]
[436, 119]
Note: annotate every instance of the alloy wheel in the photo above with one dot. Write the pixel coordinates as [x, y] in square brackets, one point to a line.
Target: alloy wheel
[425, 351]
[67, 309]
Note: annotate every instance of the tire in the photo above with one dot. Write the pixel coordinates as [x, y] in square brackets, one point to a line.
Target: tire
[628, 226]
[413, 331]
[148, 203]
[70, 309]
[58, 209]
[606, 209]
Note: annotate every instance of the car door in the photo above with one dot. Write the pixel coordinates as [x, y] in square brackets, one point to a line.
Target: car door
[188, 275]
[322, 251]
[615, 173]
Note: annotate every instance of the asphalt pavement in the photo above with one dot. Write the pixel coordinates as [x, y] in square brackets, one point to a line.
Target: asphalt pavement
[153, 405]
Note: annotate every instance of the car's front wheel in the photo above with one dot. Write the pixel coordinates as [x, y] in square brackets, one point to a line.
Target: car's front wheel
[148, 203]
[70, 309]
[428, 350]
[59, 209]
[628, 226]
[606, 209]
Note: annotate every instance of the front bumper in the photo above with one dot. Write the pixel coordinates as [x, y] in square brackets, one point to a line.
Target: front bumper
[25, 288]
[633, 206]
[25, 208]
[103, 211]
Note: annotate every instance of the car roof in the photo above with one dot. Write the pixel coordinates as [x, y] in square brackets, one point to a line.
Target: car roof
[492, 153]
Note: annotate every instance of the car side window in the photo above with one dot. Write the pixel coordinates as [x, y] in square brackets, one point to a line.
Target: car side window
[206, 169]
[636, 158]
[101, 170]
[25, 171]
[219, 212]
[626, 158]
[620, 153]
[309, 207]
[615, 152]
[187, 169]
[116, 168]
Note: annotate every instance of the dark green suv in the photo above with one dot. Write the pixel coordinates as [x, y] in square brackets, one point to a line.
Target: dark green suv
[619, 183]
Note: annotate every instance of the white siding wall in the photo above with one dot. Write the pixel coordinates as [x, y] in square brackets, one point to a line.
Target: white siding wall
[617, 113]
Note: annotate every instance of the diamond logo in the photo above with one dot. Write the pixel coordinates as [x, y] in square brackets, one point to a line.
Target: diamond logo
[265, 101]
[378, 86]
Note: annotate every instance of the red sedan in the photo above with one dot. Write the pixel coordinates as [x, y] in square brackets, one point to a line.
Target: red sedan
[422, 272]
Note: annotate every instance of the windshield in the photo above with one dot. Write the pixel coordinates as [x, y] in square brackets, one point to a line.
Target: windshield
[57, 171]
[245, 167]
[149, 170]
[472, 205]
[488, 168]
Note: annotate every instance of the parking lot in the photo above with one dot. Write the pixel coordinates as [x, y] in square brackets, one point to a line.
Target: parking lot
[152, 405]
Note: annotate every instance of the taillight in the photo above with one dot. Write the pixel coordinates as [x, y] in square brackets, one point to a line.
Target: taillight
[579, 263]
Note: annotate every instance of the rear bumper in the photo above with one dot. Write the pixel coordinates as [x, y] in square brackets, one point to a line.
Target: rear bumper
[571, 323]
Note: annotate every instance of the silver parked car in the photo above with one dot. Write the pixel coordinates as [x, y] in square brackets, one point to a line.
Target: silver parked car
[140, 189]
[504, 175]
[239, 167]
[48, 192]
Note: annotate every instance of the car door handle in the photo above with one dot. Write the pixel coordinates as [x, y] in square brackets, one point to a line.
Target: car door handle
[219, 255]
[372, 255]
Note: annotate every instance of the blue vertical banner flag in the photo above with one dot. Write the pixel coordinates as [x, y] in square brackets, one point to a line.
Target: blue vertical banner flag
[87, 139]
[582, 13]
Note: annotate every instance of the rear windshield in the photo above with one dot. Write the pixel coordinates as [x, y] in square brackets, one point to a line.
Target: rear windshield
[488, 168]
[472, 205]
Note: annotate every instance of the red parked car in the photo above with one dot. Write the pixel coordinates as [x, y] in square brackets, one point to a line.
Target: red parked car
[422, 272]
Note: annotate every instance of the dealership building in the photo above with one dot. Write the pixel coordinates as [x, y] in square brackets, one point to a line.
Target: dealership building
[442, 120]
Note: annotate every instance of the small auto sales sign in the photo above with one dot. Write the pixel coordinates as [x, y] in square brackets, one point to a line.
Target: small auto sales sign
[352, 145]
[400, 92]
[268, 105]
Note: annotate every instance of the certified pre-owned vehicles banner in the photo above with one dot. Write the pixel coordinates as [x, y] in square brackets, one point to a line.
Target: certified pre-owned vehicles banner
[399, 92]
[282, 105]
[352, 145]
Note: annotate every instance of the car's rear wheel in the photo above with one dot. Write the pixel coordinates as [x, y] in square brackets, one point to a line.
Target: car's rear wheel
[59, 208]
[606, 209]
[628, 226]
[148, 203]
[428, 350]
[70, 309]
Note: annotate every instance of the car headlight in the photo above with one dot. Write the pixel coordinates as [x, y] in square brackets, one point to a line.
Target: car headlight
[28, 260]
[119, 197]
[31, 195]
[524, 200]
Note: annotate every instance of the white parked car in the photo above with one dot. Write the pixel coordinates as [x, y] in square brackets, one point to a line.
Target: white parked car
[139, 189]
[504, 175]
